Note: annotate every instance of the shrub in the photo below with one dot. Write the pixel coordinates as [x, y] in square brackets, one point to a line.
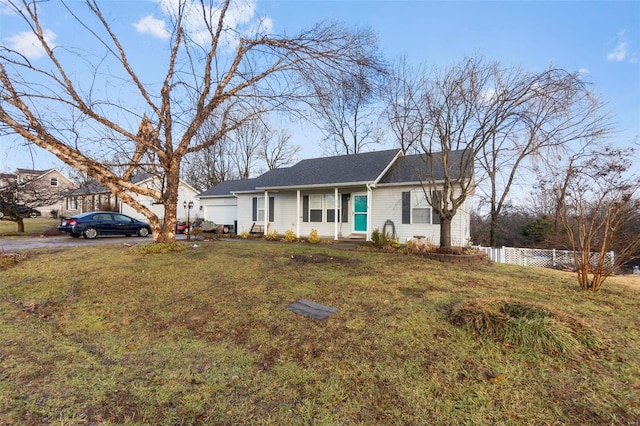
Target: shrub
[196, 233]
[384, 240]
[314, 238]
[245, 235]
[271, 235]
[53, 213]
[289, 236]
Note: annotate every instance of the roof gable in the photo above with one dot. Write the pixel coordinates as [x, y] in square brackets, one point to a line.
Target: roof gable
[415, 168]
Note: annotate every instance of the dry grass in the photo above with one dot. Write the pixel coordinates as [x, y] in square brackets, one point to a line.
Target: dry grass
[31, 227]
[107, 335]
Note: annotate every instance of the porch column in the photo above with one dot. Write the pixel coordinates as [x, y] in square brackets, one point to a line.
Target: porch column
[298, 213]
[266, 211]
[335, 213]
[369, 213]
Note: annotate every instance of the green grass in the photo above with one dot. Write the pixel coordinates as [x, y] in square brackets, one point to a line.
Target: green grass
[110, 335]
[31, 227]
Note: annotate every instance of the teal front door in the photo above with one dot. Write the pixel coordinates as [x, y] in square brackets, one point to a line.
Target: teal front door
[360, 213]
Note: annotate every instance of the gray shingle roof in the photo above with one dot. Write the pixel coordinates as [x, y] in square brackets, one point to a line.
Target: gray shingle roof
[415, 168]
[342, 170]
[228, 186]
[355, 168]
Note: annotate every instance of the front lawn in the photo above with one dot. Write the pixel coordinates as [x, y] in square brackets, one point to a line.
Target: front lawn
[32, 227]
[104, 335]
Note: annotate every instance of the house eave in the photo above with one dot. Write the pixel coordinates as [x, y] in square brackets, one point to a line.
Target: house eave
[311, 186]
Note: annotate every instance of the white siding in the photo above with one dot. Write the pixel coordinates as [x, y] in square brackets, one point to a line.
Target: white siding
[387, 205]
[185, 193]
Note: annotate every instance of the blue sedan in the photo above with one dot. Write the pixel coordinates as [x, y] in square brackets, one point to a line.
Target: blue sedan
[92, 224]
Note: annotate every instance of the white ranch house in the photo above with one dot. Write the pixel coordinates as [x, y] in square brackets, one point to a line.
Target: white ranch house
[345, 196]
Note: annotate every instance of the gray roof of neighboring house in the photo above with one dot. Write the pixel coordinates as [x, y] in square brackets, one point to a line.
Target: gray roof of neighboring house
[90, 188]
[32, 171]
[415, 168]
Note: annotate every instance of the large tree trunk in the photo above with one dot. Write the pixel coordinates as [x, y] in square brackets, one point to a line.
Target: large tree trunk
[445, 232]
[493, 229]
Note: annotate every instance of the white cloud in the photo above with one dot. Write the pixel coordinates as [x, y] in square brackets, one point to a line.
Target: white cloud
[240, 19]
[152, 26]
[28, 44]
[621, 51]
[583, 71]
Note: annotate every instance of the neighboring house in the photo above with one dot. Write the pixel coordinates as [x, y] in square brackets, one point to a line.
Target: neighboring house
[345, 196]
[93, 196]
[43, 190]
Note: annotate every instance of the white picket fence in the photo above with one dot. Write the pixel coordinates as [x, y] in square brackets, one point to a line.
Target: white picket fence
[557, 259]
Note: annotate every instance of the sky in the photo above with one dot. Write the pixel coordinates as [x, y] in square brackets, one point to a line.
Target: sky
[600, 39]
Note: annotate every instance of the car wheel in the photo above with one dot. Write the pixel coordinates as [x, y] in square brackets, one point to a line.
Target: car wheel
[90, 233]
[1, 215]
[143, 232]
[33, 215]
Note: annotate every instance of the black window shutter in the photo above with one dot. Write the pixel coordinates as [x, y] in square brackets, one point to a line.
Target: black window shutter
[272, 201]
[305, 208]
[255, 209]
[345, 208]
[406, 207]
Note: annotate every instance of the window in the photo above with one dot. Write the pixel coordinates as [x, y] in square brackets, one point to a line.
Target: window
[315, 208]
[72, 203]
[258, 210]
[416, 208]
[54, 181]
[320, 208]
[420, 208]
[331, 204]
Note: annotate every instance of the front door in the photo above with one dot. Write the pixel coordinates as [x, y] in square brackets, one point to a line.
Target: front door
[360, 213]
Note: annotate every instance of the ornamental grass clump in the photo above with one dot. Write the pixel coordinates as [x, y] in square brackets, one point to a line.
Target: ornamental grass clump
[272, 236]
[525, 325]
[157, 248]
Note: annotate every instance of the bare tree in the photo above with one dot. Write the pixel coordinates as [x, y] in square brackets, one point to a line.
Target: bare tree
[536, 115]
[19, 198]
[208, 167]
[52, 104]
[276, 151]
[347, 112]
[598, 198]
[501, 118]
[402, 97]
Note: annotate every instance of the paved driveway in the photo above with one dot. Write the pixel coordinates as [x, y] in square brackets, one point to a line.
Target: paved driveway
[12, 244]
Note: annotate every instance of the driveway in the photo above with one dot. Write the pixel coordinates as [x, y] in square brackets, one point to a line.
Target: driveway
[11, 244]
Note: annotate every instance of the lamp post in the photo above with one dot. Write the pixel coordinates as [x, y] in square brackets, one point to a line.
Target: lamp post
[188, 208]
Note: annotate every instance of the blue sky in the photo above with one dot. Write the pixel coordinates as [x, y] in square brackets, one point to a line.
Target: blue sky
[600, 39]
